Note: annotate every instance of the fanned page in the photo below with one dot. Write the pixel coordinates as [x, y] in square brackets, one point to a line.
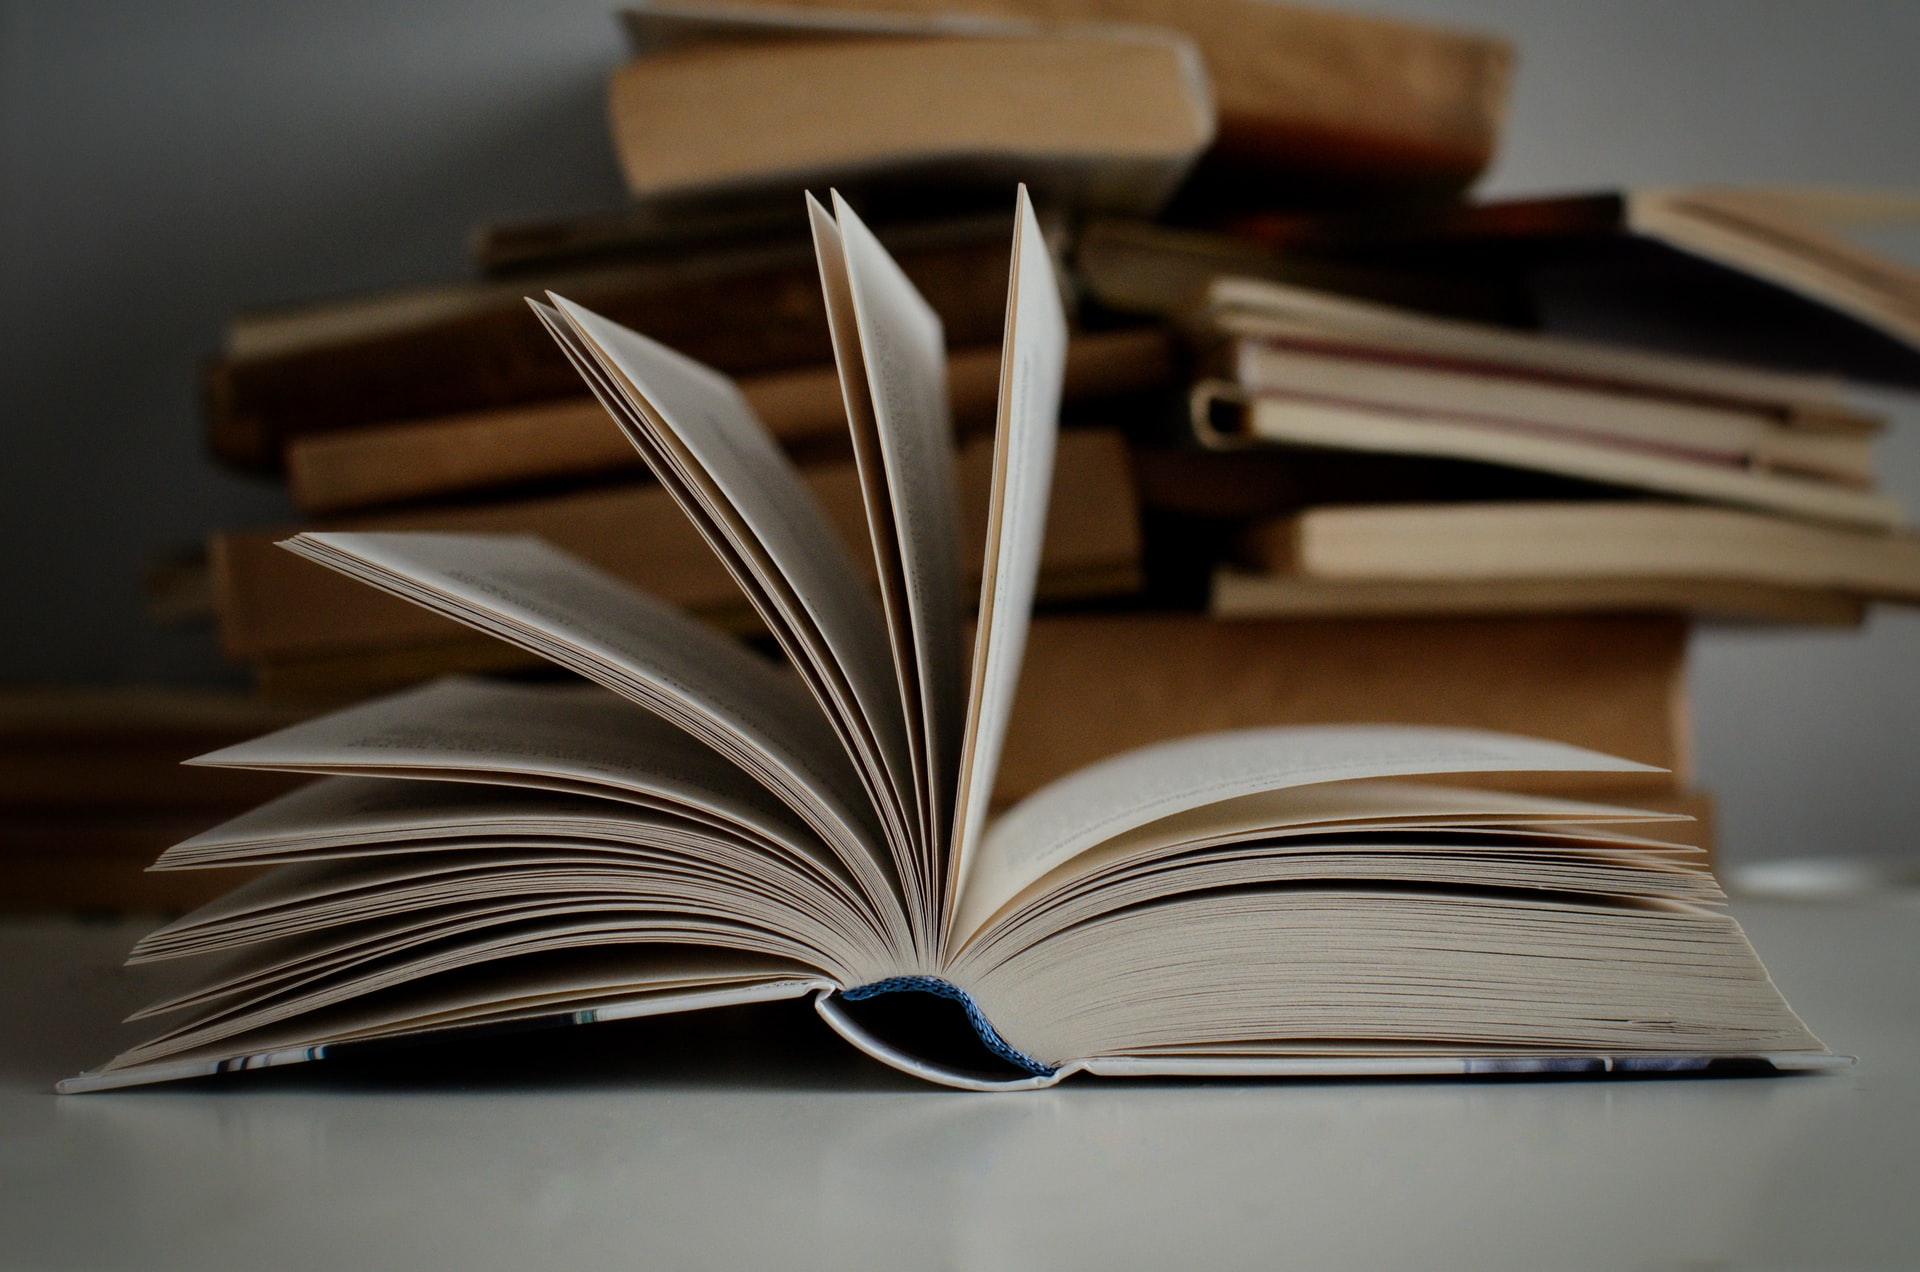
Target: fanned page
[559, 607]
[721, 465]
[575, 740]
[891, 354]
[1032, 368]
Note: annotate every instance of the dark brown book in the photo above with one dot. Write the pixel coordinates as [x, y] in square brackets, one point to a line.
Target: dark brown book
[273, 604]
[1760, 275]
[413, 354]
[1140, 267]
[92, 789]
[118, 751]
[336, 472]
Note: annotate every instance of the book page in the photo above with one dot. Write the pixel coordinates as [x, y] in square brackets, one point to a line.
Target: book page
[892, 356]
[579, 740]
[721, 465]
[557, 606]
[481, 955]
[1105, 800]
[1271, 816]
[305, 921]
[1033, 362]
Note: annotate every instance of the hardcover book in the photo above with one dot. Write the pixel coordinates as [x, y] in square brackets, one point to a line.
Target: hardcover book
[701, 825]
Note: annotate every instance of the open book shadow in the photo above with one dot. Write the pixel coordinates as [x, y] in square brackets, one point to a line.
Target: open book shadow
[780, 1046]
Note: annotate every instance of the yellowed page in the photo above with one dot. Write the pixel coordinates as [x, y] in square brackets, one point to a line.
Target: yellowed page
[1032, 367]
[722, 466]
[572, 739]
[889, 348]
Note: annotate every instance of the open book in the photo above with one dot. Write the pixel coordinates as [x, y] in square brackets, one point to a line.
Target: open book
[703, 826]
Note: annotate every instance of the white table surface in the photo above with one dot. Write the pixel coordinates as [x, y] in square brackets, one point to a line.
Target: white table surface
[658, 1149]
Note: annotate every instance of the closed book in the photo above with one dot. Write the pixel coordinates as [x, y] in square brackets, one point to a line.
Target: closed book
[1095, 685]
[1093, 118]
[1780, 277]
[117, 750]
[408, 462]
[1542, 541]
[1309, 370]
[1317, 99]
[97, 862]
[272, 604]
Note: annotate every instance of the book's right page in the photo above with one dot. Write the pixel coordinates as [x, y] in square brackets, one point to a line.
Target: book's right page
[1033, 365]
[1105, 800]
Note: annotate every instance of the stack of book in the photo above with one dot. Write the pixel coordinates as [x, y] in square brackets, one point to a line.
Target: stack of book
[1371, 512]
[1635, 481]
[447, 408]
[1312, 469]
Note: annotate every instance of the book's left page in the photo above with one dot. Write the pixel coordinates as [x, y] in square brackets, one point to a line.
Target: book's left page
[1032, 368]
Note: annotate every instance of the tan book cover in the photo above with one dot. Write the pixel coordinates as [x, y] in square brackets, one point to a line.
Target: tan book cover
[1549, 540]
[1100, 684]
[1341, 95]
[1094, 118]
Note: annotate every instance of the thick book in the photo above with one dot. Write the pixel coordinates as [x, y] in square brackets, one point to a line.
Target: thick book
[416, 460]
[1305, 369]
[1311, 101]
[746, 307]
[734, 104]
[1612, 683]
[92, 789]
[1544, 541]
[1164, 271]
[1237, 592]
[1784, 277]
[703, 826]
[271, 604]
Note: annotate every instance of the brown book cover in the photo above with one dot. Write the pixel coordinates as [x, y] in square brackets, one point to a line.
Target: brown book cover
[1089, 117]
[1768, 276]
[1543, 540]
[274, 604]
[358, 468]
[97, 863]
[1093, 685]
[119, 750]
[470, 347]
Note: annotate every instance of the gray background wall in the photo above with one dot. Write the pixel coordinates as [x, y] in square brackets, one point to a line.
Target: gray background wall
[167, 163]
